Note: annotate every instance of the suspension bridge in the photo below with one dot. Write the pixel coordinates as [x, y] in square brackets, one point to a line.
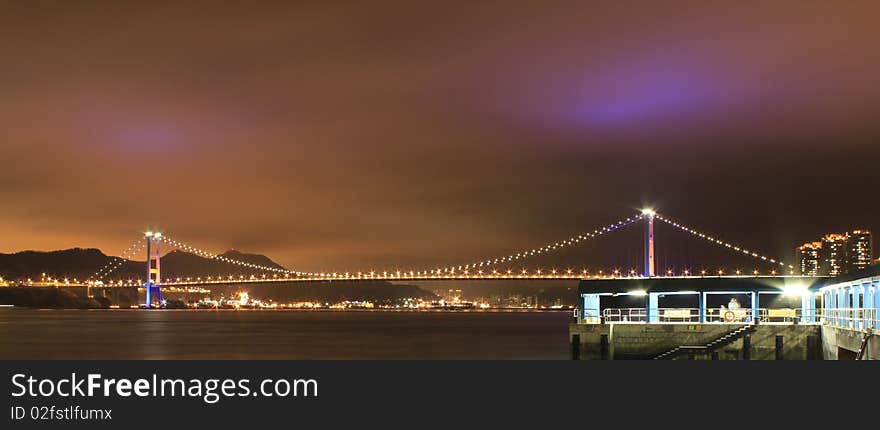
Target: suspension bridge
[484, 269]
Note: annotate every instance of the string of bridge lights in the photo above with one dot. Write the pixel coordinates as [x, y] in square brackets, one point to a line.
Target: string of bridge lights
[113, 259]
[411, 273]
[121, 260]
[544, 249]
[511, 274]
[396, 275]
[116, 262]
[719, 242]
[451, 272]
[187, 248]
[215, 256]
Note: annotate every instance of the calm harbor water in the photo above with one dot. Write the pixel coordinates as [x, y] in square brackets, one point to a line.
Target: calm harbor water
[190, 334]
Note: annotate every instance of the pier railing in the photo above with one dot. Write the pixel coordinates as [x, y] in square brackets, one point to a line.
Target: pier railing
[856, 318]
[718, 316]
[643, 315]
[675, 315]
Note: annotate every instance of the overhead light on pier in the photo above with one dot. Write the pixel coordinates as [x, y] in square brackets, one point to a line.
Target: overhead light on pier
[795, 290]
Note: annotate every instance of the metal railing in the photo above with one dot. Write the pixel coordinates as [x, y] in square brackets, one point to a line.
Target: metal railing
[643, 315]
[675, 315]
[730, 315]
[856, 318]
[764, 315]
[625, 315]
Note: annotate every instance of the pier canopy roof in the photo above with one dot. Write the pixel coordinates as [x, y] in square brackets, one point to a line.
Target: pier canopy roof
[870, 272]
[708, 284]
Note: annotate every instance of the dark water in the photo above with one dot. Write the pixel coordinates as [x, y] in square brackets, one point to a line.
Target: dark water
[187, 334]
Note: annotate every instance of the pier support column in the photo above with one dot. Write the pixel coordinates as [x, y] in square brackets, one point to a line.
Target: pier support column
[854, 292]
[808, 307]
[652, 311]
[604, 347]
[755, 314]
[703, 308]
[869, 303]
[814, 350]
[779, 347]
[827, 304]
[876, 304]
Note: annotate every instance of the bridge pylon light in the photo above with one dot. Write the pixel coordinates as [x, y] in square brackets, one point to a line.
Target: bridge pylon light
[154, 273]
[649, 215]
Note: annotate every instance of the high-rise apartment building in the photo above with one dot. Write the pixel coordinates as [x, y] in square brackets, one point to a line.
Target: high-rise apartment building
[809, 257]
[836, 254]
[858, 250]
[833, 254]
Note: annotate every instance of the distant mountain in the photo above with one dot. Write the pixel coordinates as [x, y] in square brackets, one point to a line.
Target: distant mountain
[82, 263]
[181, 264]
[74, 263]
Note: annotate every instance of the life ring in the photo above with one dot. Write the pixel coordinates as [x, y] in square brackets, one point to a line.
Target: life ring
[729, 316]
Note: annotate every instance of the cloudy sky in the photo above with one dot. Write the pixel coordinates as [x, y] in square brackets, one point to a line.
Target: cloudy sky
[354, 135]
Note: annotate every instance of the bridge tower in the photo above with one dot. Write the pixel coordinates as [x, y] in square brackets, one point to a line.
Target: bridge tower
[154, 274]
[649, 242]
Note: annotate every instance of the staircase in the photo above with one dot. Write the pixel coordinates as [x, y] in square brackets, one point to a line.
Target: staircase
[722, 341]
[860, 355]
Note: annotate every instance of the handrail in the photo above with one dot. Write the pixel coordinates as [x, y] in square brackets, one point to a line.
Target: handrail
[715, 344]
[858, 318]
[669, 315]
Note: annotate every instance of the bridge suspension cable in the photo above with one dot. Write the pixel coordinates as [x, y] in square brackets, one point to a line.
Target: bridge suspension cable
[449, 271]
[735, 248]
[117, 262]
[215, 256]
[573, 240]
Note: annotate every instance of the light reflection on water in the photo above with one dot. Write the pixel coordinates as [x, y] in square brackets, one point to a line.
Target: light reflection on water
[187, 334]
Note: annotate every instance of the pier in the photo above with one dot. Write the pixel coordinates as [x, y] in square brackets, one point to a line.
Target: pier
[728, 318]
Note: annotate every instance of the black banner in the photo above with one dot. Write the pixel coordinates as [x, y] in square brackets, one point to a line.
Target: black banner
[106, 394]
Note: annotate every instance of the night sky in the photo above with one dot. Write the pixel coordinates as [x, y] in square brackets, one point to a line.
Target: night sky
[358, 135]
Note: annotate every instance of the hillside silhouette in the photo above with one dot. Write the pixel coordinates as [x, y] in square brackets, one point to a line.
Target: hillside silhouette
[82, 263]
